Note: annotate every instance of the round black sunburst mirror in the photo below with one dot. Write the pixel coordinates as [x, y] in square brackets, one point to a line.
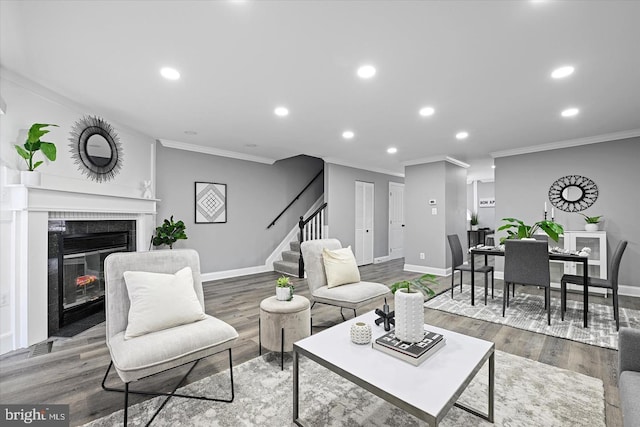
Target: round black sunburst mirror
[96, 148]
[573, 193]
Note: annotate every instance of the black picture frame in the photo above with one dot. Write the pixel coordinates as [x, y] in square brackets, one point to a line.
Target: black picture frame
[210, 203]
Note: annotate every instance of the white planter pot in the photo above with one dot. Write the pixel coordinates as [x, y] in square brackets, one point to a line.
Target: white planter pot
[409, 309]
[360, 333]
[474, 228]
[31, 178]
[283, 294]
[591, 227]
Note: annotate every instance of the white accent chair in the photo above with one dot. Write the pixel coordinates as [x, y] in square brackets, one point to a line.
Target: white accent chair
[351, 296]
[155, 352]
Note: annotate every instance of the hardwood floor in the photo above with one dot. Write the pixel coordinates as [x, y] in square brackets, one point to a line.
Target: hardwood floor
[73, 371]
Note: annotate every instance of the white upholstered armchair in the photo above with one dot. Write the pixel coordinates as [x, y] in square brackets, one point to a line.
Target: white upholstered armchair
[155, 318]
[351, 295]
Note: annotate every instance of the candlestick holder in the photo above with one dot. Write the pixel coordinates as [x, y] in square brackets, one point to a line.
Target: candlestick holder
[545, 215]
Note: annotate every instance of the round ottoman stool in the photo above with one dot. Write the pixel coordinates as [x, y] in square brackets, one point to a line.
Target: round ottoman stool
[282, 323]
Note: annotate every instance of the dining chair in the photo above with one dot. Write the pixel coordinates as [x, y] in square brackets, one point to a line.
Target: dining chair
[610, 283]
[457, 263]
[526, 262]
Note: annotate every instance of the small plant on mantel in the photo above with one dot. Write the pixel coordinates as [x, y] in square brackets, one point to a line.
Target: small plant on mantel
[33, 144]
[169, 233]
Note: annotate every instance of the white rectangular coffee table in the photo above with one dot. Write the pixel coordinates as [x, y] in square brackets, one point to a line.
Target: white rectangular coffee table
[427, 391]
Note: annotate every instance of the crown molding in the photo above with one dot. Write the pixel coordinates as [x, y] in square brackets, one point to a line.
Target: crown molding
[341, 162]
[435, 159]
[214, 151]
[568, 143]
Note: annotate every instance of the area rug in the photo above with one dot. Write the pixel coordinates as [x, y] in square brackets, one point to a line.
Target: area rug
[527, 393]
[527, 312]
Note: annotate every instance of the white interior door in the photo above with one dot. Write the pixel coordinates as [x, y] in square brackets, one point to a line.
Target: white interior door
[396, 220]
[364, 223]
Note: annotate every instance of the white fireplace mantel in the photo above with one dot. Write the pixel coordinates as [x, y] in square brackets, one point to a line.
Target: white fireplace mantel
[30, 209]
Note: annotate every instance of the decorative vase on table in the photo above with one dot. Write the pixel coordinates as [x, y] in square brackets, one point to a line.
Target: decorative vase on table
[284, 293]
[409, 309]
[360, 333]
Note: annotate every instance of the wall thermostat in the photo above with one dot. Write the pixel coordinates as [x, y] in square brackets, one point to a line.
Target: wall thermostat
[432, 201]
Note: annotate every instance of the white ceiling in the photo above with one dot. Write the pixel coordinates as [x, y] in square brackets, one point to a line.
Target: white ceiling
[483, 65]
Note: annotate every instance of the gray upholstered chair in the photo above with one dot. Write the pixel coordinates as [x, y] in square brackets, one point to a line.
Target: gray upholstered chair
[351, 296]
[610, 283]
[151, 353]
[457, 264]
[629, 375]
[527, 262]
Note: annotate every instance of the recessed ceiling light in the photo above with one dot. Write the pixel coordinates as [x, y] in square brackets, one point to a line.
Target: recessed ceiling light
[281, 111]
[190, 132]
[392, 150]
[462, 135]
[562, 72]
[170, 73]
[427, 111]
[570, 112]
[347, 134]
[366, 71]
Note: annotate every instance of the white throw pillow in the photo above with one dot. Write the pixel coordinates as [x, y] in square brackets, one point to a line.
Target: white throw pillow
[340, 267]
[160, 301]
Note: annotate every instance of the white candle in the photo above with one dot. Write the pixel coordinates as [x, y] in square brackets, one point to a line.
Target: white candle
[552, 213]
[545, 207]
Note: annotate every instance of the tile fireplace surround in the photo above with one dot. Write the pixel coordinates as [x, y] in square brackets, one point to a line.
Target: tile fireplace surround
[30, 209]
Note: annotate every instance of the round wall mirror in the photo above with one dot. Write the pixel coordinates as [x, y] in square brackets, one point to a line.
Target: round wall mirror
[96, 148]
[573, 193]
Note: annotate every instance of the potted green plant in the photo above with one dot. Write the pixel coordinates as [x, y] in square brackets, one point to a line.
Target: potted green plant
[284, 289]
[591, 222]
[409, 307]
[474, 221]
[169, 232]
[524, 231]
[31, 146]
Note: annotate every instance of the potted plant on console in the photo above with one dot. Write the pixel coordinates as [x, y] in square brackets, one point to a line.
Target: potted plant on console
[409, 307]
[474, 221]
[524, 231]
[591, 222]
[31, 146]
[169, 233]
[284, 289]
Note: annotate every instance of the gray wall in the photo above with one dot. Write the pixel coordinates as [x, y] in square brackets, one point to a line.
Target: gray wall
[522, 185]
[340, 196]
[427, 233]
[256, 194]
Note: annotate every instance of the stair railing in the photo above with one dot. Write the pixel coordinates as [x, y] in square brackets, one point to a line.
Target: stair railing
[311, 228]
[295, 199]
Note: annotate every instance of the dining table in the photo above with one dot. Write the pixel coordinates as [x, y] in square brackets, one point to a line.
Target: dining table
[553, 256]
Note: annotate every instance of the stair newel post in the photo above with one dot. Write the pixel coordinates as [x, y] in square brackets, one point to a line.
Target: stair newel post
[300, 239]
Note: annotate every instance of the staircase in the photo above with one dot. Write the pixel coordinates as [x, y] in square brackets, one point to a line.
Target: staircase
[289, 263]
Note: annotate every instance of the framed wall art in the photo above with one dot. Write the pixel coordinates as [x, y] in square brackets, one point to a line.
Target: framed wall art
[211, 203]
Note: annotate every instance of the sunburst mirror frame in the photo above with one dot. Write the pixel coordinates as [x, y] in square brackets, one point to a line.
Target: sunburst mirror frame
[81, 132]
[559, 190]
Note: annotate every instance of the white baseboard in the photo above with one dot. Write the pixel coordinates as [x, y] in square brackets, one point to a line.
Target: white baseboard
[427, 270]
[381, 259]
[629, 291]
[217, 275]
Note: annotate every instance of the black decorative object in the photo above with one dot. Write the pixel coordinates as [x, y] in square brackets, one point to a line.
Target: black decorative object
[573, 193]
[385, 316]
[96, 148]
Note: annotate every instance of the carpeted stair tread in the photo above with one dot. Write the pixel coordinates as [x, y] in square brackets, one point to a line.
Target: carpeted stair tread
[286, 267]
[290, 256]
